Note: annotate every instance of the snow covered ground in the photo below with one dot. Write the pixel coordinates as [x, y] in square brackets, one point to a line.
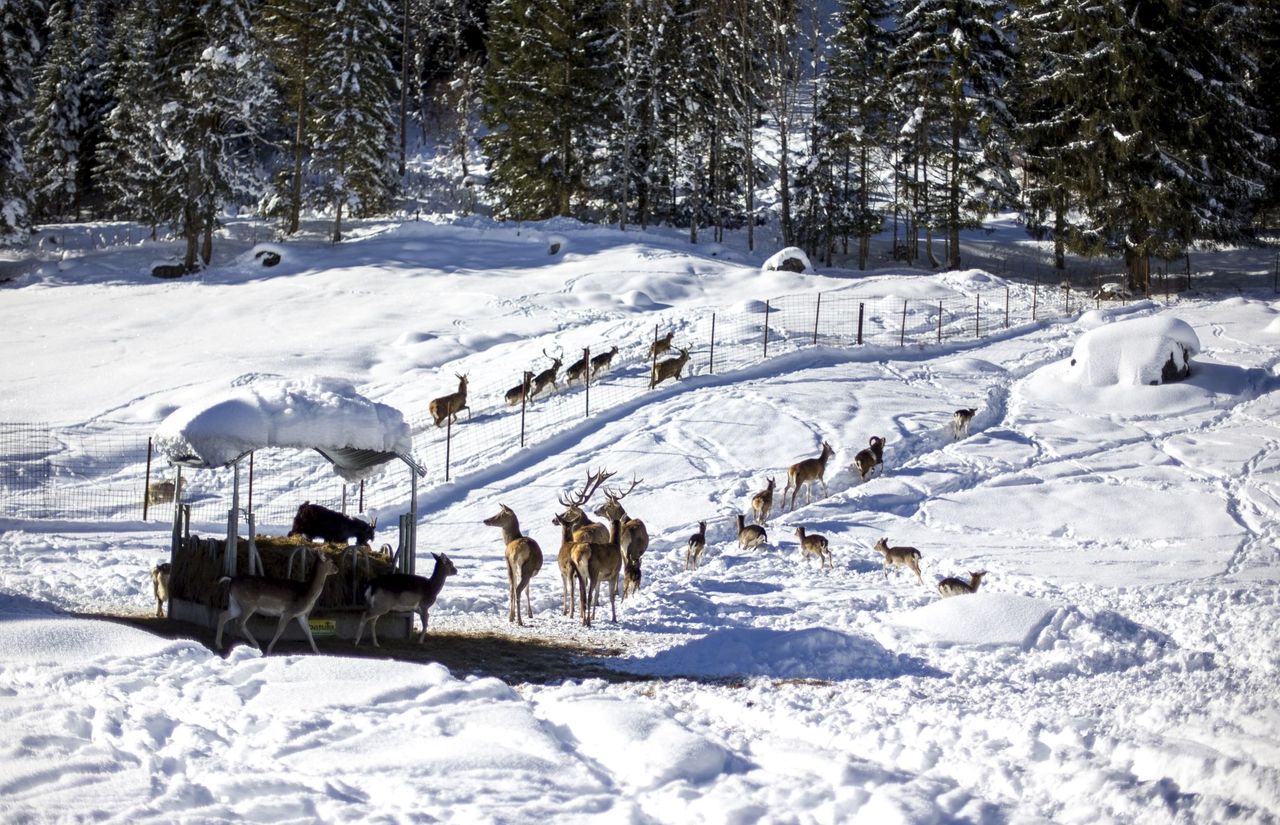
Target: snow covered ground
[1120, 663]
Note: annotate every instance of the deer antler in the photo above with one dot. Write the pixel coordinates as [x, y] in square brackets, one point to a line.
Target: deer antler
[614, 495]
[588, 489]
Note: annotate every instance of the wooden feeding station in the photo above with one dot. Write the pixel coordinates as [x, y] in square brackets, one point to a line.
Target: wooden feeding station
[358, 438]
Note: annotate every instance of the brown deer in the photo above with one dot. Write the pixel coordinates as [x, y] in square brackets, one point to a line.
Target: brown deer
[596, 563]
[960, 421]
[524, 560]
[750, 536]
[448, 406]
[669, 368]
[584, 529]
[812, 544]
[806, 473]
[870, 457]
[160, 586]
[546, 377]
[661, 345]
[160, 492]
[568, 573]
[519, 392]
[285, 598]
[762, 504]
[956, 587]
[908, 557]
[634, 538]
[697, 546]
[601, 363]
[577, 371]
[403, 591]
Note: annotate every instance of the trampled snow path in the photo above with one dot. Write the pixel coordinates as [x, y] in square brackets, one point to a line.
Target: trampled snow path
[1119, 665]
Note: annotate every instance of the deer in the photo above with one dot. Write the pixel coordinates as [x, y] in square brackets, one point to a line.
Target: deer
[270, 596]
[960, 421]
[661, 345]
[697, 545]
[160, 492]
[601, 363]
[750, 536]
[870, 457]
[762, 504]
[669, 368]
[448, 406]
[908, 557]
[160, 586]
[951, 586]
[547, 376]
[524, 560]
[633, 540]
[520, 391]
[812, 544]
[568, 573]
[403, 591]
[596, 562]
[806, 473]
[584, 529]
[577, 371]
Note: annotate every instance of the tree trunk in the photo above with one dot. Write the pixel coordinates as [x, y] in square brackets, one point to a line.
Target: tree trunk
[1138, 264]
[206, 244]
[295, 185]
[1059, 232]
[953, 198]
[337, 220]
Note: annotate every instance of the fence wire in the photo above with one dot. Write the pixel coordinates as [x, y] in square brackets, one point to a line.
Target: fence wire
[48, 472]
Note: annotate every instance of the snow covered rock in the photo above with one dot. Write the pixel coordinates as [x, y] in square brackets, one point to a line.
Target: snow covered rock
[790, 259]
[1133, 353]
[984, 619]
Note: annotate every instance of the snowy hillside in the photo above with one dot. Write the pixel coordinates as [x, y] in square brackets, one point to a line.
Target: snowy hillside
[1118, 664]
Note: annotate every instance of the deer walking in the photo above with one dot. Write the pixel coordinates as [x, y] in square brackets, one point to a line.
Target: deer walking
[806, 473]
[448, 406]
[270, 596]
[750, 536]
[520, 391]
[669, 368]
[661, 345]
[633, 539]
[546, 377]
[870, 457]
[524, 560]
[951, 586]
[697, 546]
[603, 362]
[596, 563]
[160, 586]
[577, 371]
[813, 544]
[762, 503]
[401, 592]
[960, 421]
[908, 557]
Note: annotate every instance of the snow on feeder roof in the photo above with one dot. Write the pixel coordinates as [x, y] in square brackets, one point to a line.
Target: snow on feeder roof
[325, 414]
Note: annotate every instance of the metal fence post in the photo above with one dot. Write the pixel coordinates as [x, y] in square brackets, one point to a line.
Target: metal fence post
[250, 505]
[861, 309]
[816, 312]
[448, 442]
[1035, 297]
[146, 484]
[524, 401]
[1006, 307]
[977, 316]
[766, 330]
[902, 340]
[939, 320]
[586, 370]
[712, 368]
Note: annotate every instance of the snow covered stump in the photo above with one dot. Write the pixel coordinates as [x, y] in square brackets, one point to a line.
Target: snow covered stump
[1153, 350]
[790, 259]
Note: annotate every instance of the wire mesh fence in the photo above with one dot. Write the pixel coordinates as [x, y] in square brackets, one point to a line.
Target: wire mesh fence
[93, 473]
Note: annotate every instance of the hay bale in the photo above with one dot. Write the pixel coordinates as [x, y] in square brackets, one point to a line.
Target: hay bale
[198, 567]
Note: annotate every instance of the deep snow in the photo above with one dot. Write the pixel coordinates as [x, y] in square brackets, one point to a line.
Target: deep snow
[1119, 664]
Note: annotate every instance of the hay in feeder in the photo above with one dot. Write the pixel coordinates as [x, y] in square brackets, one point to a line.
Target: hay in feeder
[198, 566]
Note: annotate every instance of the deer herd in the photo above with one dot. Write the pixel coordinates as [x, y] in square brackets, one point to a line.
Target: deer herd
[593, 556]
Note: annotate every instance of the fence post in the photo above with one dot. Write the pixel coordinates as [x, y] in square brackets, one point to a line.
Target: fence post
[939, 320]
[1067, 289]
[861, 308]
[1006, 307]
[712, 369]
[977, 316]
[766, 330]
[586, 370]
[524, 401]
[344, 497]
[653, 366]
[448, 441]
[146, 484]
[250, 505]
[902, 340]
[1035, 298]
[816, 312]
[361, 510]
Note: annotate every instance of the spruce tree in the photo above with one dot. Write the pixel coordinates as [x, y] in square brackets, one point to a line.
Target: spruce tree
[355, 125]
[58, 125]
[18, 47]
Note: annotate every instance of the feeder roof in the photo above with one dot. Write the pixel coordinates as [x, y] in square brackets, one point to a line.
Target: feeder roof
[355, 434]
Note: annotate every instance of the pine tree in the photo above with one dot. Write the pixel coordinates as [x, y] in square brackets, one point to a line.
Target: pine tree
[58, 127]
[355, 127]
[547, 104]
[18, 46]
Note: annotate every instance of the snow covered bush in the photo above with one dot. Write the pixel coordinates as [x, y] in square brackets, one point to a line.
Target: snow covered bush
[1131, 353]
[790, 259]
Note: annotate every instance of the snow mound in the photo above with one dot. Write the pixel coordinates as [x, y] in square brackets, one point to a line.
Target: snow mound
[809, 653]
[971, 279]
[1273, 328]
[790, 259]
[1134, 353]
[313, 412]
[638, 299]
[638, 744]
[77, 640]
[1078, 642]
[984, 619]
